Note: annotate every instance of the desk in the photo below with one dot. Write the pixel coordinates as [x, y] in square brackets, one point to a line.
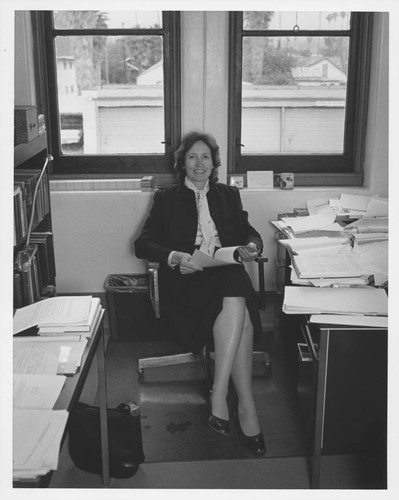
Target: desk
[342, 386]
[70, 395]
[341, 377]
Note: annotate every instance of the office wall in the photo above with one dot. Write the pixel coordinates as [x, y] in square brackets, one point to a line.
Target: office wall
[94, 229]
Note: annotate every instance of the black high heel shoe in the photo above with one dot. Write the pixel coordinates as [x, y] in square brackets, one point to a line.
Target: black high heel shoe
[254, 444]
[217, 424]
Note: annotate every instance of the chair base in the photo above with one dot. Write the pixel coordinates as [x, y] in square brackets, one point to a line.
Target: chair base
[203, 357]
[173, 359]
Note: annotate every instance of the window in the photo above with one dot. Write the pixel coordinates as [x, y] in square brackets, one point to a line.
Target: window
[298, 94]
[113, 84]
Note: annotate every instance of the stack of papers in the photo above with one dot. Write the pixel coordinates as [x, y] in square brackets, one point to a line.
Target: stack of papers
[327, 266]
[319, 244]
[347, 320]
[37, 428]
[48, 355]
[374, 258]
[312, 223]
[60, 315]
[350, 301]
[37, 436]
[36, 391]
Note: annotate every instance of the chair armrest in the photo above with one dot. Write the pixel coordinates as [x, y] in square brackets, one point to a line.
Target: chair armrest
[260, 259]
[153, 278]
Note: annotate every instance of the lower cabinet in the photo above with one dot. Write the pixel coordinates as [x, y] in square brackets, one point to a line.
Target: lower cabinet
[341, 377]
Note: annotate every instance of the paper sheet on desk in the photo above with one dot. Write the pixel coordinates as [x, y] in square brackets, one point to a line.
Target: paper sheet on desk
[317, 244]
[347, 320]
[328, 282]
[327, 266]
[378, 207]
[37, 447]
[369, 225]
[310, 300]
[43, 356]
[354, 201]
[309, 222]
[36, 391]
[374, 257]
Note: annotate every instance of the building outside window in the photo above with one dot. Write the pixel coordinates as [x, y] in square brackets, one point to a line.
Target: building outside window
[298, 93]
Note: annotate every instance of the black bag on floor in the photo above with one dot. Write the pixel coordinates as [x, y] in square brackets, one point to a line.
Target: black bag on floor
[124, 439]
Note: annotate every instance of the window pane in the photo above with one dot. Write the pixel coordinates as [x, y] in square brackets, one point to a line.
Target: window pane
[110, 94]
[96, 19]
[294, 94]
[257, 20]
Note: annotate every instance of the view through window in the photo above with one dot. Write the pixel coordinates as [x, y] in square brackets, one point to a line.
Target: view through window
[294, 88]
[110, 82]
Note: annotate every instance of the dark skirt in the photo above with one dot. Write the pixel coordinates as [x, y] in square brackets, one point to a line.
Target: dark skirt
[191, 303]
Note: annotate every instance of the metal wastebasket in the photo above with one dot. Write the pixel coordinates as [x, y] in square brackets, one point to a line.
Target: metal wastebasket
[130, 310]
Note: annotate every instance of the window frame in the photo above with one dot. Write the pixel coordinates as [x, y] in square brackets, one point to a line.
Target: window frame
[317, 169]
[113, 165]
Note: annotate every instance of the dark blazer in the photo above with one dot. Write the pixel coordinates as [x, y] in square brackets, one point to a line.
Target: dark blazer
[172, 222]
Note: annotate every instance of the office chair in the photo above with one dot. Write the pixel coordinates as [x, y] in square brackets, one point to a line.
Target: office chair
[206, 354]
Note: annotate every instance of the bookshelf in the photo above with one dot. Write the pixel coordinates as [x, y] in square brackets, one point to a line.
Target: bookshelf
[34, 264]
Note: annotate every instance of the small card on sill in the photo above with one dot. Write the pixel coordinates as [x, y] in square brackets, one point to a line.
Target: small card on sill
[260, 179]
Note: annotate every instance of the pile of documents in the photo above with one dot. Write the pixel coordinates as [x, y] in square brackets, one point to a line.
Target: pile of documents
[59, 315]
[327, 266]
[48, 355]
[326, 251]
[37, 428]
[49, 341]
[309, 226]
[36, 449]
[365, 301]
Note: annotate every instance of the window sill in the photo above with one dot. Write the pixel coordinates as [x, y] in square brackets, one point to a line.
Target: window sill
[316, 179]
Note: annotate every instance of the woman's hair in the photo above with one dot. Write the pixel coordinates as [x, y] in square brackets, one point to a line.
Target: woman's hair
[187, 142]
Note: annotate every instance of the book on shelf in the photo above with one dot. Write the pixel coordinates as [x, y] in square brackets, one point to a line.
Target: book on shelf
[222, 257]
[20, 215]
[44, 242]
[60, 314]
[25, 182]
[27, 284]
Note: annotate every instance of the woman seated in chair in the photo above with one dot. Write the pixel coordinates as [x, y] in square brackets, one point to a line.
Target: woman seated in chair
[200, 213]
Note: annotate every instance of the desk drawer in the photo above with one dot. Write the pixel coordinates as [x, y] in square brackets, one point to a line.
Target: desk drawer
[307, 384]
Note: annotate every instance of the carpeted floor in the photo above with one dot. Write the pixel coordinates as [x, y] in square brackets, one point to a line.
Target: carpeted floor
[174, 410]
[182, 452]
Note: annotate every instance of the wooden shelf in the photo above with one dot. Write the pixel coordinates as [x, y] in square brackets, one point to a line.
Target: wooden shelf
[23, 152]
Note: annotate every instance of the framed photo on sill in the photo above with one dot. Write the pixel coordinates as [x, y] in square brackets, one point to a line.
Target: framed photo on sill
[237, 181]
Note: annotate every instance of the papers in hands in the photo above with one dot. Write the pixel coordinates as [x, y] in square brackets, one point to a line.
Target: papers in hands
[223, 256]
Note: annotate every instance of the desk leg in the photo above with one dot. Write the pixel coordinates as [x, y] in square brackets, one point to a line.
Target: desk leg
[320, 407]
[102, 395]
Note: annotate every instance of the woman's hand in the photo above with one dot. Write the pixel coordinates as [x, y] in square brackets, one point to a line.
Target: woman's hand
[248, 252]
[182, 260]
